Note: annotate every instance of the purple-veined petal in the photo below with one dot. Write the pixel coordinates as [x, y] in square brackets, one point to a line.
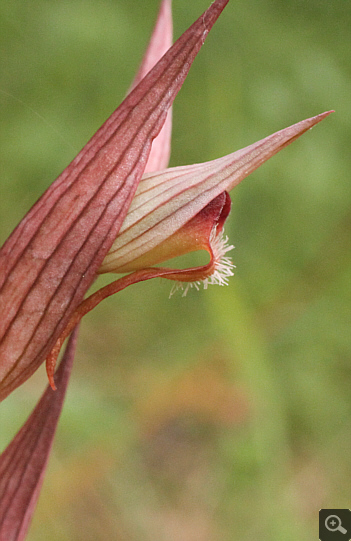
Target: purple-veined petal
[166, 200]
[23, 463]
[51, 259]
[160, 42]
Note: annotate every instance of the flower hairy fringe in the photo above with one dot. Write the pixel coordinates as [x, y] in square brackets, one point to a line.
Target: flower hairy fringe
[222, 266]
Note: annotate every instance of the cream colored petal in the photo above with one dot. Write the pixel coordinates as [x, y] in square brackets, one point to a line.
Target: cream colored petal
[165, 201]
[160, 42]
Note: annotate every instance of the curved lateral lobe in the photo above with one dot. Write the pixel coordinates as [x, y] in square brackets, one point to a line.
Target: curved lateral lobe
[51, 258]
[23, 463]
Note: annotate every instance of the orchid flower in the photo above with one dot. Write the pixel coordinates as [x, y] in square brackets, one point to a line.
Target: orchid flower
[115, 209]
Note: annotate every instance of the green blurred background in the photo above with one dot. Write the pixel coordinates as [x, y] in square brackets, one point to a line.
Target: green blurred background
[225, 415]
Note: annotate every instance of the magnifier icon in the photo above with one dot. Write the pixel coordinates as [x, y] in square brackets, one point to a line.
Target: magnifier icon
[333, 524]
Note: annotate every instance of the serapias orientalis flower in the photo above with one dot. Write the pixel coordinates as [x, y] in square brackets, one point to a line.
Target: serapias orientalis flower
[173, 213]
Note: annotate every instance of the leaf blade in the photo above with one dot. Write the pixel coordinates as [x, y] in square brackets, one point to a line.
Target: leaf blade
[24, 461]
[51, 259]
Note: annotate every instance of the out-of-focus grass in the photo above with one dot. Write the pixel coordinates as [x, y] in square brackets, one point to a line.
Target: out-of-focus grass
[225, 415]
